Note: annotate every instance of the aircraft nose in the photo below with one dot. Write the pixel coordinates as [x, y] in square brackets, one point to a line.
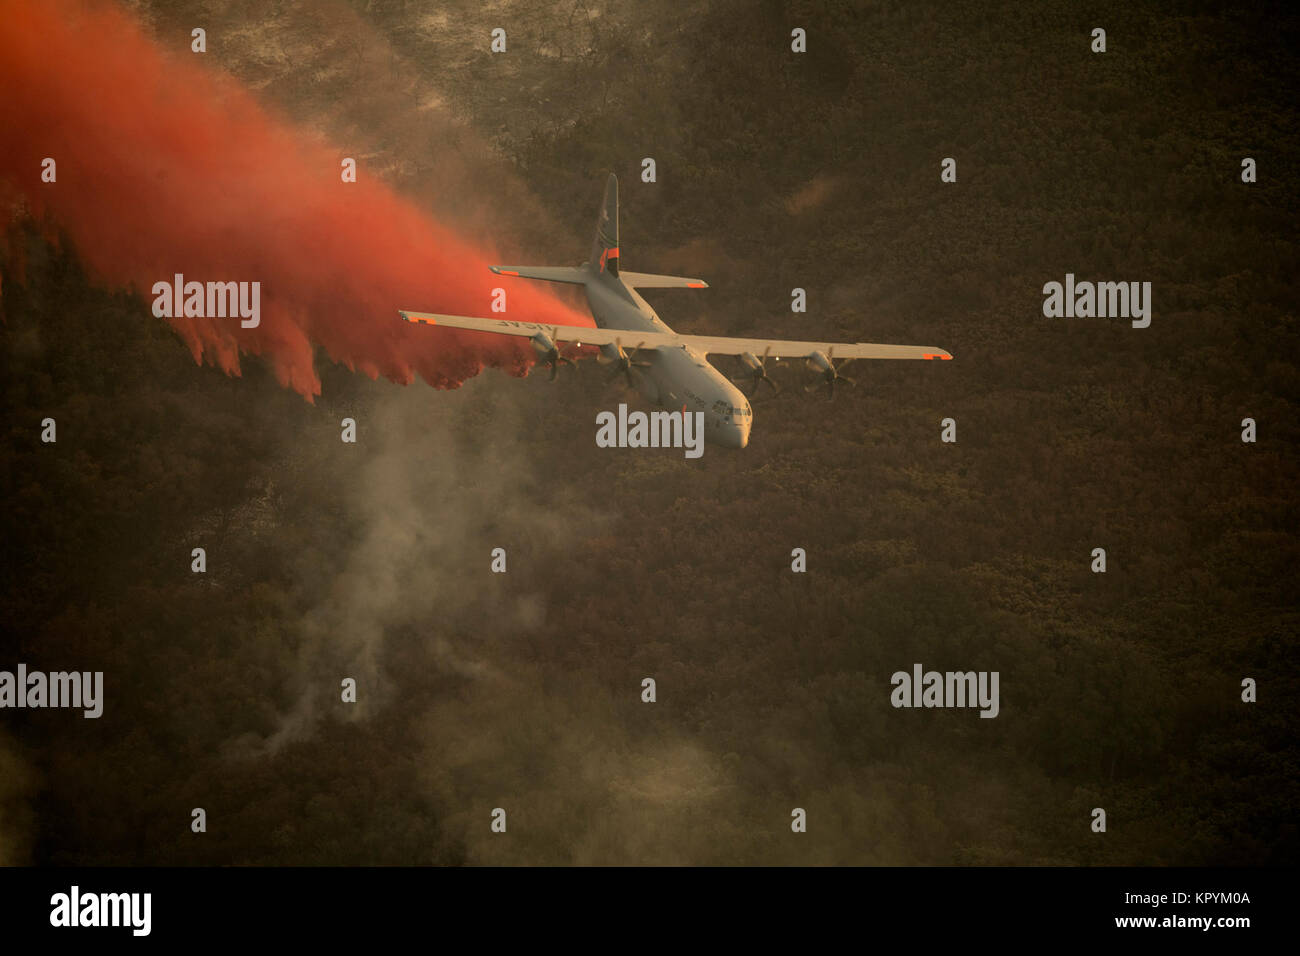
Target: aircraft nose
[735, 435]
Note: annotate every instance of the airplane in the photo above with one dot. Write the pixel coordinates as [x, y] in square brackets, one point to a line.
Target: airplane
[671, 370]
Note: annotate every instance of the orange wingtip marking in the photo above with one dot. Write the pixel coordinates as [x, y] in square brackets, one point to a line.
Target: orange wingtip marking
[507, 272]
[944, 357]
[695, 285]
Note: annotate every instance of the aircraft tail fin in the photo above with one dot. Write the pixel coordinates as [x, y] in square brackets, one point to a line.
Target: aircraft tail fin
[604, 248]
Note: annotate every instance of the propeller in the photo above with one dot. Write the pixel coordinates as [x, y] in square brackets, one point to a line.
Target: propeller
[550, 352]
[757, 372]
[828, 371]
[624, 363]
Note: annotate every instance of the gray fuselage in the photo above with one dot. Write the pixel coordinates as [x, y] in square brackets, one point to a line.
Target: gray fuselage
[677, 378]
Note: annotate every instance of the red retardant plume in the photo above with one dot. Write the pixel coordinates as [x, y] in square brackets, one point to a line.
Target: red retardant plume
[167, 166]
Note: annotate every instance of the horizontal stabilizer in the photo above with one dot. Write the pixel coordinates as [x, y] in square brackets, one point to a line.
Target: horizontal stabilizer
[644, 280]
[572, 274]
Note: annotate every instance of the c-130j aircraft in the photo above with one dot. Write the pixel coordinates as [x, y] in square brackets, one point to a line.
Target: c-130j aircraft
[672, 370]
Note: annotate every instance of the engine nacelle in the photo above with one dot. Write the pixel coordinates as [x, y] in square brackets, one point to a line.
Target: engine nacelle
[611, 352]
[751, 361]
[543, 344]
[819, 360]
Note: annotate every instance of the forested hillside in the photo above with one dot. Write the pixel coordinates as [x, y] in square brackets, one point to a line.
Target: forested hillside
[523, 690]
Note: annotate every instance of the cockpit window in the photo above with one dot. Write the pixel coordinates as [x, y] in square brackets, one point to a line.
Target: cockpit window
[728, 412]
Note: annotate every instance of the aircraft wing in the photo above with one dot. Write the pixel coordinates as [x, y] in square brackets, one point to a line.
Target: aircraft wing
[780, 348]
[585, 335]
[711, 344]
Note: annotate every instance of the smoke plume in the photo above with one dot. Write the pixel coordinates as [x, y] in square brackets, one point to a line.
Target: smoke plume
[167, 166]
